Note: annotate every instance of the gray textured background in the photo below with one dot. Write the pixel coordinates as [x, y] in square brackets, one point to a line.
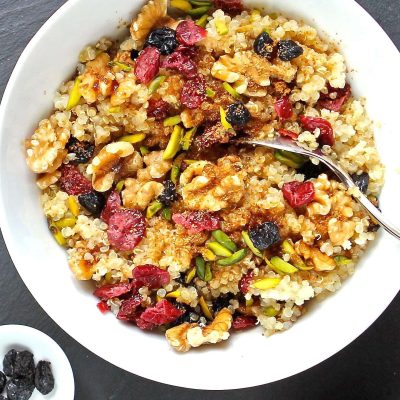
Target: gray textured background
[369, 368]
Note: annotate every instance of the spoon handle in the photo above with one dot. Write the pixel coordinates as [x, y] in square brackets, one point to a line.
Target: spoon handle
[373, 211]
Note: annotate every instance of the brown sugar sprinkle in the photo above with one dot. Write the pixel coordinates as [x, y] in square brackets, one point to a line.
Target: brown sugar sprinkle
[202, 202]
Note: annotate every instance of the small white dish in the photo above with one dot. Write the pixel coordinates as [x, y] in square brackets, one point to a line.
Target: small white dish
[20, 338]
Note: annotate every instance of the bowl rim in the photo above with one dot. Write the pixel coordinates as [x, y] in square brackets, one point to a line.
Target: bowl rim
[7, 233]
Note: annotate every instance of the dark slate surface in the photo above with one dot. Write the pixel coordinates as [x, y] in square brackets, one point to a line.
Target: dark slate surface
[369, 368]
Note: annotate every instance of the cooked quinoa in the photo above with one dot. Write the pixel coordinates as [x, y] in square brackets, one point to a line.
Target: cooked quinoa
[180, 228]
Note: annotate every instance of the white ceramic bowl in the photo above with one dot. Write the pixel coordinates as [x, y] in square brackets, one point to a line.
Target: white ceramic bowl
[20, 338]
[248, 359]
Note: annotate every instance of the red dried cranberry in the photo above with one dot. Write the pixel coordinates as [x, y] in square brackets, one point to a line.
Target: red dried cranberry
[283, 108]
[103, 307]
[298, 194]
[158, 109]
[189, 51]
[163, 313]
[150, 276]
[197, 221]
[128, 309]
[113, 205]
[182, 63]
[188, 33]
[107, 292]
[142, 324]
[126, 228]
[193, 92]
[232, 7]
[245, 282]
[326, 136]
[289, 134]
[243, 322]
[335, 98]
[73, 182]
[147, 64]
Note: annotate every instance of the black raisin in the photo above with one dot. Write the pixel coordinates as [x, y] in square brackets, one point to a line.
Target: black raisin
[289, 50]
[3, 381]
[310, 170]
[264, 46]
[169, 195]
[24, 366]
[2, 397]
[8, 362]
[44, 379]
[265, 235]
[164, 39]
[237, 114]
[362, 181]
[135, 54]
[19, 389]
[83, 151]
[93, 202]
[181, 278]
[222, 302]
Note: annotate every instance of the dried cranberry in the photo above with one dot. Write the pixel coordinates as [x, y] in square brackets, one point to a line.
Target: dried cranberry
[182, 63]
[142, 324]
[126, 228]
[298, 194]
[283, 108]
[197, 221]
[189, 51]
[213, 134]
[232, 7]
[103, 307]
[162, 313]
[113, 205]
[289, 134]
[335, 98]
[158, 109]
[128, 308]
[245, 282]
[326, 136]
[243, 322]
[107, 292]
[163, 39]
[73, 182]
[147, 64]
[188, 33]
[193, 92]
[150, 276]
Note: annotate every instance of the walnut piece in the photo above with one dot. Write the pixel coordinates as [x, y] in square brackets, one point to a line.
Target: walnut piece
[46, 180]
[97, 79]
[149, 16]
[209, 187]
[46, 148]
[246, 65]
[156, 166]
[322, 204]
[183, 337]
[139, 195]
[321, 261]
[103, 165]
[340, 231]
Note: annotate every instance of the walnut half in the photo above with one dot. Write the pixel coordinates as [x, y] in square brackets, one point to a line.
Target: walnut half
[183, 337]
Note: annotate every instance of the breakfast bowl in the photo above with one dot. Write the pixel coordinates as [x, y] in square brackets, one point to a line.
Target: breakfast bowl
[49, 59]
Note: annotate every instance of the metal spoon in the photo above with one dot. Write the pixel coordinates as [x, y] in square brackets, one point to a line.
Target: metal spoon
[281, 143]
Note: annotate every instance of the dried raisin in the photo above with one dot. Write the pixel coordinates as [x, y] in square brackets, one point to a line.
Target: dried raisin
[93, 202]
[288, 50]
[163, 39]
[83, 151]
[19, 388]
[265, 235]
[9, 362]
[362, 181]
[264, 46]
[168, 195]
[237, 114]
[44, 379]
